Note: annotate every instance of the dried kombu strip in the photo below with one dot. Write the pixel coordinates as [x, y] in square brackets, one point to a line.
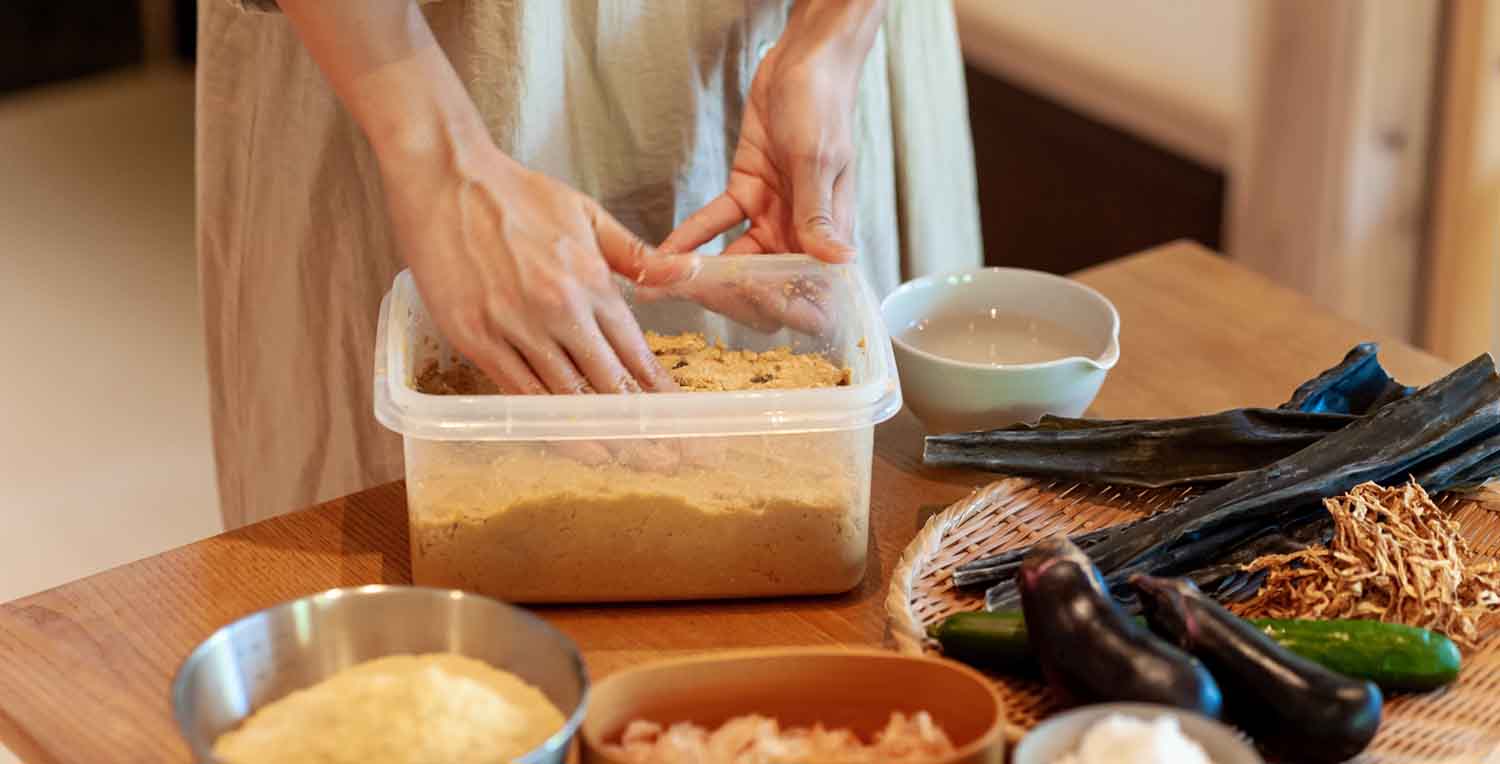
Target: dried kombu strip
[1161, 452]
[1150, 452]
[1447, 431]
[1358, 385]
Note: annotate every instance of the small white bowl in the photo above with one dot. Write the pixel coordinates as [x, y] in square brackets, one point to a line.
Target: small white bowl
[949, 395]
[1061, 734]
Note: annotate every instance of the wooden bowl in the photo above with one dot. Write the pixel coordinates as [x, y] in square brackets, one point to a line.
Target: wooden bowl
[839, 688]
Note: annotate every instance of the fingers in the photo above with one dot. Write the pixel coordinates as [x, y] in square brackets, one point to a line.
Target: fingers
[843, 204]
[585, 451]
[743, 309]
[611, 351]
[583, 361]
[624, 334]
[716, 217]
[764, 303]
[549, 361]
[744, 245]
[592, 351]
[790, 304]
[594, 356]
[632, 258]
[729, 299]
[657, 294]
[660, 456]
[497, 358]
[644, 455]
[511, 372]
[812, 211]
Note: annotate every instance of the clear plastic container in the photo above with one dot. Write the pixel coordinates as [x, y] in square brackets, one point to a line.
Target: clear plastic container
[704, 494]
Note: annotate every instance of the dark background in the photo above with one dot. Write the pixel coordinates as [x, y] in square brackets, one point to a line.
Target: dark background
[49, 41]
[187, 28]
[1057, 190]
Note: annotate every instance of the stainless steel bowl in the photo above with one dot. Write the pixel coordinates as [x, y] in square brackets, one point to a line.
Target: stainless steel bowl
[268, 654]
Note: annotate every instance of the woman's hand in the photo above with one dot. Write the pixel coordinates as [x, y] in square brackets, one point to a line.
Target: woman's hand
[765, 302]
[515, 269]
[514, 266]
[793, 171]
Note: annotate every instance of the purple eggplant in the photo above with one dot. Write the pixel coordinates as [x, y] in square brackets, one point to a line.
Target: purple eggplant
[1090, 650]
[1292, 706]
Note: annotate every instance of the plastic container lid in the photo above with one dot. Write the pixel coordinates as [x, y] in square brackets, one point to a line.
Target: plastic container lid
[851, 332]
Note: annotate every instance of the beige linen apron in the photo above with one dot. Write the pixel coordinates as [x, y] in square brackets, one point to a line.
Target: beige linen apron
[634, 102]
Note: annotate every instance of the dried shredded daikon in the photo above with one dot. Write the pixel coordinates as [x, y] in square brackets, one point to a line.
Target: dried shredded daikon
[756, 739]
[1395, 557]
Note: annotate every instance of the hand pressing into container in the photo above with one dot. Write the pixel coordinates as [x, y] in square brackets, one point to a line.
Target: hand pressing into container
[515, 269]
[514, 266]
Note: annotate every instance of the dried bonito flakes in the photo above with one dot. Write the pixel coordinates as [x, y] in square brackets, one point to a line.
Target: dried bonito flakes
[1395, 557]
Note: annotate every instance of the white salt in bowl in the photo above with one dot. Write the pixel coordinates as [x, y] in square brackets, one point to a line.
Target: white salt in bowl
[1061, 735]
[953, 395]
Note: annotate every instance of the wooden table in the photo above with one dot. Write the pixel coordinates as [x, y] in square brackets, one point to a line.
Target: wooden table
[84, 668]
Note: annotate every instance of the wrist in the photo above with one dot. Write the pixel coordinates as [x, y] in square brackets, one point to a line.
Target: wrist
[844, 29]
[416, 113]
[427, 138]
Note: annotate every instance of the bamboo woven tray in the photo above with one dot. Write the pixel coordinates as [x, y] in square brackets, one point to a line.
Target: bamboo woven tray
[1456, 725]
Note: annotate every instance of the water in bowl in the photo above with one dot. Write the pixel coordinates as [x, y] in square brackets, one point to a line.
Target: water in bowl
[995, 338]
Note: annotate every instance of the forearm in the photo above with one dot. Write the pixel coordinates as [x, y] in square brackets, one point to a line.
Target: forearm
[390, 74]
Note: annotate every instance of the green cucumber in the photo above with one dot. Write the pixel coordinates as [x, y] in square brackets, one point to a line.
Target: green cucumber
[1393, 656]
[995, 641]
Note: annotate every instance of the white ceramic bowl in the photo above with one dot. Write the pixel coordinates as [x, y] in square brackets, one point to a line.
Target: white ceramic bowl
[955, 396]
[1061, 734]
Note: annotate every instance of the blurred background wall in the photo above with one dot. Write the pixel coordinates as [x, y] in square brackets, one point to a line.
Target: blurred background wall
[1102, 128]
[1346, 148]
[105, 450]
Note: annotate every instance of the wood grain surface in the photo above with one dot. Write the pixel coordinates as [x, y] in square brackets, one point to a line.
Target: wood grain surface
[85, 668]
